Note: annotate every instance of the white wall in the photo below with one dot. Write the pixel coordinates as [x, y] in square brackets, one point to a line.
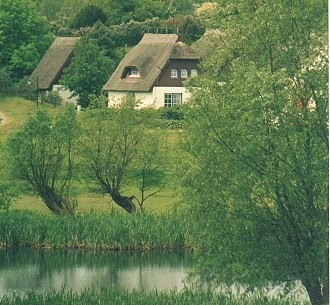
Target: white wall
[65, 95]
[159, 92]
[154, 98]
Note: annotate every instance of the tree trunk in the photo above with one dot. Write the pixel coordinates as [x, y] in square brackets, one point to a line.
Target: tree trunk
[55, 203]
[125, 202]
[318, 295]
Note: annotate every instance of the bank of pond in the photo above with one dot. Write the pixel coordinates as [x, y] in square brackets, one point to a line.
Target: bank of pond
[112, 231]
[109, 296]
[107, 259]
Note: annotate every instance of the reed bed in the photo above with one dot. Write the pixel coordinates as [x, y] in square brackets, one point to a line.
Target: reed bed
[113, 231]
[107, 296]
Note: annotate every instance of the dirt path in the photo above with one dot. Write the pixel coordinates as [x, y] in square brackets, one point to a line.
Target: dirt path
[2, 118]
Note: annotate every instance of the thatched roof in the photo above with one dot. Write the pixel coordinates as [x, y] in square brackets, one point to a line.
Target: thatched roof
[53, 62]
[149, 56]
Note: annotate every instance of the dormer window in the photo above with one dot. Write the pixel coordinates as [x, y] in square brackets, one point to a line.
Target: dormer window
[174, 73]
[193, 72]
[184, 73]
[131, 72]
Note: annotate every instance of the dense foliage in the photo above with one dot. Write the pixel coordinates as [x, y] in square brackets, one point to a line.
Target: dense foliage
[117, 11]
[88, 16]
[257, 168]
[25, 36]
[88, 71]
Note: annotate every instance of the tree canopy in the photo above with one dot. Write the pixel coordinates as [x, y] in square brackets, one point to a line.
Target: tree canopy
[88, 16]
[42, 154]
[25, 36]
[120, 151]
[257, 168]
[89, 70]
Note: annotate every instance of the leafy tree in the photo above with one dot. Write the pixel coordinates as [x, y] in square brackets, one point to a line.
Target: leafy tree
[257, 138]
[132, 32]
[5, 82]
[115, 147]
[148, 172]
[25, 36]
[89, 70]
[124, 11]
[88, 16]
[43, 154]
[189, 27]
[183, 7]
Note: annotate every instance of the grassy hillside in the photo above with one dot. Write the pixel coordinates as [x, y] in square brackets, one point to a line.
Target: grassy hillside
[14, 112]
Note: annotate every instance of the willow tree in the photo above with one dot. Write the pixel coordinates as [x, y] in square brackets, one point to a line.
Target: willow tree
[42, 154]
[257, 148]
[120, 153]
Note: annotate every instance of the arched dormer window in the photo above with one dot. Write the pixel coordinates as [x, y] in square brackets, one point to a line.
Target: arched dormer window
[131, 72]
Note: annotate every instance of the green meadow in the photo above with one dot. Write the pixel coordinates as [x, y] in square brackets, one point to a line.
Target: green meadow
[15, 111]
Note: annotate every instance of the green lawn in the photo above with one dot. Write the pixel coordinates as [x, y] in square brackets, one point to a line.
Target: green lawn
[88, 202]
[15, 112]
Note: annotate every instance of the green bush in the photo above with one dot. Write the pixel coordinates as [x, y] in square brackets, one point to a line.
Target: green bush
[172, 113]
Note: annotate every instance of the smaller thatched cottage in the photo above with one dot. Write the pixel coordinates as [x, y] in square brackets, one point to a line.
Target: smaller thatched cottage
[154, 71]
[47, 74]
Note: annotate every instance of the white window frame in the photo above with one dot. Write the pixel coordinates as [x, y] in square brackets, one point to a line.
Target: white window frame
[184, 73]
[193, 72]
[172, 99]
[174, 73]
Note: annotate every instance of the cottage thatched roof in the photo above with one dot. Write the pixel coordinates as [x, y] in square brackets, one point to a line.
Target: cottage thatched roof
[53, 62]
[149, 56]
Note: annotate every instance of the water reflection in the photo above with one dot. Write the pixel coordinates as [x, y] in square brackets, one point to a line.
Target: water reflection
[26, 269]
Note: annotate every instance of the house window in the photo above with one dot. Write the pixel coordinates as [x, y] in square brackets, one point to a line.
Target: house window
[131, 72]
[193, 72]
[172, 99]
[174, 73]
[184, 73]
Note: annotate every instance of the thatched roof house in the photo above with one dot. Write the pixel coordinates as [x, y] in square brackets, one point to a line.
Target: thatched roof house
[155, 63]
[51, 66]
[49, 70]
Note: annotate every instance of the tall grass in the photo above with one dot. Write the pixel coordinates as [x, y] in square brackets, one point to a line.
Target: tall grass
[107, 296]
[112, 231]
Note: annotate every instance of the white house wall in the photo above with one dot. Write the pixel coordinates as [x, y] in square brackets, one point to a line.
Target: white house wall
[159, 92]
[65, 95]
[154, 98]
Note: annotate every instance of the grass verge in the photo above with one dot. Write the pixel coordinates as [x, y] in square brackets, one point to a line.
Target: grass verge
[107, 296]
[111, 231]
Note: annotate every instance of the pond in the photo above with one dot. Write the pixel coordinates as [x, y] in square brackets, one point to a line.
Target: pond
[25, 269]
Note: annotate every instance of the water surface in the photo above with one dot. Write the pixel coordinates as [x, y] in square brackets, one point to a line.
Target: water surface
[22, 270]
